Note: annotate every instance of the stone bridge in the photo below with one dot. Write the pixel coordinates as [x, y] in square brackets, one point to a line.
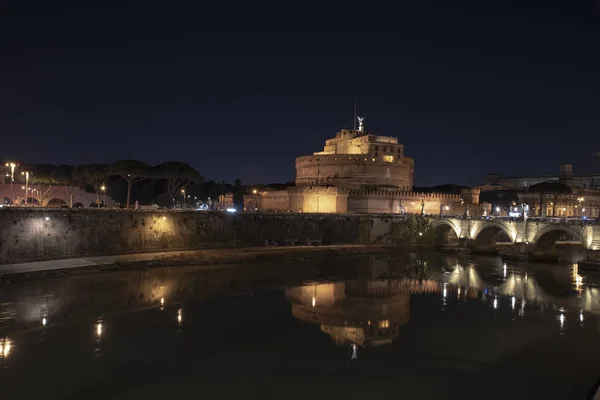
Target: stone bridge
[530, 236]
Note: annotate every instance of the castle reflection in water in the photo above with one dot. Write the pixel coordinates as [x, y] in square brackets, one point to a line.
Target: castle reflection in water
[365, 313]
[363, 301]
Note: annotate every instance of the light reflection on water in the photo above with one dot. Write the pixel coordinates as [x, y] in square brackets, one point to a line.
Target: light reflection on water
[380, 287]
[402, 319]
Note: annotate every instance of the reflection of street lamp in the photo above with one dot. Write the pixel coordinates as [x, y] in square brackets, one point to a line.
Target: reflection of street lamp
[26, 173]
[12, 166]
[103, 188]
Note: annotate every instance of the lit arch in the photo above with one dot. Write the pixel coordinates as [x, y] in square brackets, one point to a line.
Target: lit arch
[547, 236]
[442, 228]
[485, 234]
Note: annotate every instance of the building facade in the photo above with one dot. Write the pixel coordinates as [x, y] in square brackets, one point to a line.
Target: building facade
[583, 201]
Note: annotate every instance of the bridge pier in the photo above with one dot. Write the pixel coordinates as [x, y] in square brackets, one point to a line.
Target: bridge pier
[466, 243]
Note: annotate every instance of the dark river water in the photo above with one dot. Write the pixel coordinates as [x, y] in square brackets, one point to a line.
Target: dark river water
[354, 328]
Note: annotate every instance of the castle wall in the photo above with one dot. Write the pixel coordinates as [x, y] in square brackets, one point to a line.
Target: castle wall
[274, 200]
[318, 199]
[354, 170]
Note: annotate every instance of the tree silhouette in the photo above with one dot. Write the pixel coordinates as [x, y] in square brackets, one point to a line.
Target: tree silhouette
[41, 176]
[91, 174]
[130, 170]
[238, 195]
[177, 175]
[63, 175]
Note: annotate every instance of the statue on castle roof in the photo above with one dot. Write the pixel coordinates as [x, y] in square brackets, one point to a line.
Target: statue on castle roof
[361, 125]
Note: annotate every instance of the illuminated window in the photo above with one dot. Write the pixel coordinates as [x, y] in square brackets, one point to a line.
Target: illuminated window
[384, 323]
[388, 158]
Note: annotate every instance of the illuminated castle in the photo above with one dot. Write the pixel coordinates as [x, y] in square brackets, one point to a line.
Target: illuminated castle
[361, 172]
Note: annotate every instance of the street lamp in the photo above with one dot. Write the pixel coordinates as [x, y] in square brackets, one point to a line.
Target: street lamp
[26, 173]
[104, 190]
[183, 194]
[12, 166]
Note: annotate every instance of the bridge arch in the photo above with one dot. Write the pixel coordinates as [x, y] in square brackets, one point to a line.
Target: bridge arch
[56, 202]
[548, 236]
[446, 231]
[31, 201]
[490, 232]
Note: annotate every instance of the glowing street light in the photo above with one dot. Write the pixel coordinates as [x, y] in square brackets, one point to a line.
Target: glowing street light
[26, 173]
[183, 194]
[12, 166]
[103, 188]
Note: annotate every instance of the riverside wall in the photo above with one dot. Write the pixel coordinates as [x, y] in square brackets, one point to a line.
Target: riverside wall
[44, 234]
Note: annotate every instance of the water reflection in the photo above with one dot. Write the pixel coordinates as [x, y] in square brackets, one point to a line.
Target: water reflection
[363, 300]
[365, 313]
[5, 347]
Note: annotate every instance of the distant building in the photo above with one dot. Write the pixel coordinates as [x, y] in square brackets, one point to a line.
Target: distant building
[566, 174]
[584, 201]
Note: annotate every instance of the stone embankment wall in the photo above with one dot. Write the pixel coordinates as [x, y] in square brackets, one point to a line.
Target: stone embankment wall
[43, 234]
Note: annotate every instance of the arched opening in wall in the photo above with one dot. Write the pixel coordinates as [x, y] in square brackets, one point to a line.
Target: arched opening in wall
[556, 242]
[78, 205]
[7, 200]
[57, 203]
[492, 236]
[445, 235]
[31, 201]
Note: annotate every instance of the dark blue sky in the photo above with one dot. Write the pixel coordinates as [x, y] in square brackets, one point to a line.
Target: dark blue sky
[478, 87]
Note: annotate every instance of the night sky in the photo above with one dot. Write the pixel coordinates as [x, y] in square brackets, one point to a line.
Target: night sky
[480, 87]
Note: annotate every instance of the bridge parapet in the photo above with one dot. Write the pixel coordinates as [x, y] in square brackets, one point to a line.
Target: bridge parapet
[484, 231]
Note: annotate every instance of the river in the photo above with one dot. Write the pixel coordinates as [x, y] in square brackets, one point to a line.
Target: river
[409, 326]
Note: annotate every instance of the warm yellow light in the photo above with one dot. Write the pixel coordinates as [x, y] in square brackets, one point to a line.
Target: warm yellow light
[255, 191]
[314, 301]
[179, 316]
[99, 329]
[164, 218]
[182, 190]
[564, 209]
[103, 188]
[7, 347]
[384, 323]
[162, 301]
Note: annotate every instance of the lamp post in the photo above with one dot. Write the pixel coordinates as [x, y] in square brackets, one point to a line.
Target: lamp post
[12, 166]
[183, 194]
[104, 191]
[26, 173]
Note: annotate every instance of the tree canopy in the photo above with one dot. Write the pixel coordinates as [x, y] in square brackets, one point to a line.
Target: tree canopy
[131, 171]
[238, 195]
[177, 175]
